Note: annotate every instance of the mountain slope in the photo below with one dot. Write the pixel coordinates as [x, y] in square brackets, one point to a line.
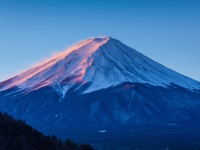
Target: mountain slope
[103, 62]
[100, 83]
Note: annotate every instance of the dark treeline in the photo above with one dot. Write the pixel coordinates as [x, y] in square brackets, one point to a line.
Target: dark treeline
[17, 135]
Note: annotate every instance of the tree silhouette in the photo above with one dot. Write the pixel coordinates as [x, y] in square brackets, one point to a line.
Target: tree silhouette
[17, 135]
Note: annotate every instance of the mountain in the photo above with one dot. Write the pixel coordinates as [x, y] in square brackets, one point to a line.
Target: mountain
[103, 62]
[100, 83]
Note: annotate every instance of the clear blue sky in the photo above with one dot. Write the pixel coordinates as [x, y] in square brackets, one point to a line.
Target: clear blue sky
[167, 31]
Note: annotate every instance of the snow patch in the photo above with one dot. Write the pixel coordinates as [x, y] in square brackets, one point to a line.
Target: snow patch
[102, 131]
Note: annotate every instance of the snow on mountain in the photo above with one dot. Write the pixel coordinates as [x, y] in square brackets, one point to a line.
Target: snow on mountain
[103, 62]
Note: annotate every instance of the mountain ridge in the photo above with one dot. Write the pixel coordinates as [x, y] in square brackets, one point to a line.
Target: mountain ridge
[101, 85]
[86, 61]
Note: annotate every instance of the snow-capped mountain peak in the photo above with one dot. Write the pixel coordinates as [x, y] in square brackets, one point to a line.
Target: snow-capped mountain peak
[102, 62]
[68, 63]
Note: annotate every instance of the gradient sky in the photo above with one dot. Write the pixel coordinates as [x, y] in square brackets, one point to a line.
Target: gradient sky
[167, 31]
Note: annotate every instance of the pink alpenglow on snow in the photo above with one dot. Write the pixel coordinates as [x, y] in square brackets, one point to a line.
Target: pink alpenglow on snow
[102, 62]
[71, 63]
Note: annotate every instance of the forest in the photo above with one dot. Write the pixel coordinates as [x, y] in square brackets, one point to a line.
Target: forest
[17, 135]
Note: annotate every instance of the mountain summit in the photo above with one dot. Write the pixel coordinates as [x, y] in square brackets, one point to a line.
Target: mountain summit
[97, 84]
[101, 62]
